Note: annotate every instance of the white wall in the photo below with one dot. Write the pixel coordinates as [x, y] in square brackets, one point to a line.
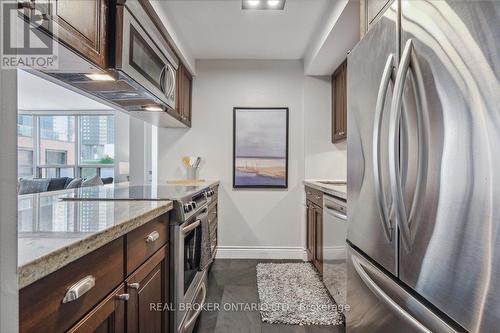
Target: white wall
[265, 223]
[323, 160]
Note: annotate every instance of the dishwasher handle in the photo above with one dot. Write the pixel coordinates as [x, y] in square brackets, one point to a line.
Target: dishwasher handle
[331, 210]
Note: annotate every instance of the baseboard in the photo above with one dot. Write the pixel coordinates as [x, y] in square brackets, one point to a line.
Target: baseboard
[260, 252]
[335, 253]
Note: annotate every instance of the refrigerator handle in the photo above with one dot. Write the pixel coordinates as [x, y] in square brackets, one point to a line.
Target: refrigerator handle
[387, 77]
[386, 298]
[408, 62]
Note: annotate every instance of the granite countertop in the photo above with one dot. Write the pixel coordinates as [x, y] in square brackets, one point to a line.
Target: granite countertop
[335, 188]
[128, 192]
[187, 182]
[52, 232]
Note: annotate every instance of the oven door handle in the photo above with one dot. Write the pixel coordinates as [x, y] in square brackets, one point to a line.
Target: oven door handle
[191, 320]
[190, 227]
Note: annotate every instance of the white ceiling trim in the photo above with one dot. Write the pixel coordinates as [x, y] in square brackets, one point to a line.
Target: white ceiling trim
[338, 34]
[179, 45]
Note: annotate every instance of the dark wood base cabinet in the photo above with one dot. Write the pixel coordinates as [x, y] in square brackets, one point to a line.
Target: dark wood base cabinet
[118, 300]
[107, 317]
[147, 288]
[314, 234]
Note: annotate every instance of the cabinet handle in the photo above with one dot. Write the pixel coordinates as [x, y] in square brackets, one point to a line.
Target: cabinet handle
[152, 237]
[134, 285]
[318, 197]
[79, 289]
[123, 297]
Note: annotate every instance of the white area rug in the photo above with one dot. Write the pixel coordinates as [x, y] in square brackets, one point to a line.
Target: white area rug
[292, 293]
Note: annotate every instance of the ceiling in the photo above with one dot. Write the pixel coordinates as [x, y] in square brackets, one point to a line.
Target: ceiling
[220, 29]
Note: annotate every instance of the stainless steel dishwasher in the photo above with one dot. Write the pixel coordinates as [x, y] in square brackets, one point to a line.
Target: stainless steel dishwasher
[334, 246]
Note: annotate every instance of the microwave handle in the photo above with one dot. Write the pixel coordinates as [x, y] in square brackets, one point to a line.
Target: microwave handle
[162, 78]
[171, 87]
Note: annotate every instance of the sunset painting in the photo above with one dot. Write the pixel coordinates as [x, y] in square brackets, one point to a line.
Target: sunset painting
[260, 148]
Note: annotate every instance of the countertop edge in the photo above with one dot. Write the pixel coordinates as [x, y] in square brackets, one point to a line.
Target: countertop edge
[314, 184]
[47, 264]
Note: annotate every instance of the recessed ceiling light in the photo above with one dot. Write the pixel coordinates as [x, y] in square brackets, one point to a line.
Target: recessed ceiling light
[100, 77]
[153, 108]
[273, 3]
[263, 4]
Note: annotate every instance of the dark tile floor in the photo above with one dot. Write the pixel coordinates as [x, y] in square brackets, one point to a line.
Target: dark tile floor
[235, 282]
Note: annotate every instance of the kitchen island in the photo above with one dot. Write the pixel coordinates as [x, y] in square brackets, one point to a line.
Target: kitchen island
[80, 261]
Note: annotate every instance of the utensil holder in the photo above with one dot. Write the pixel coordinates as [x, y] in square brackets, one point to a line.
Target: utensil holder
[192, 173]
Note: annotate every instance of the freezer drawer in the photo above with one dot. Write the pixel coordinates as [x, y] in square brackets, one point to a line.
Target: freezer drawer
[378, 304]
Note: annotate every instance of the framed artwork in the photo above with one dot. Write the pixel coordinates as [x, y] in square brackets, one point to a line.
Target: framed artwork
[260, 147]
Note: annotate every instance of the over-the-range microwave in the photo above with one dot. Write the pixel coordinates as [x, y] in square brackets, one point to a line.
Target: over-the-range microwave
[142, 69]
[141, 54]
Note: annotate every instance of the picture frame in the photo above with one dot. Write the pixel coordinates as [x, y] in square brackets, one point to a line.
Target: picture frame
[260, 147]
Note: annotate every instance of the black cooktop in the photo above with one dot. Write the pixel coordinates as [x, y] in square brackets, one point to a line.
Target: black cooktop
[137, 192]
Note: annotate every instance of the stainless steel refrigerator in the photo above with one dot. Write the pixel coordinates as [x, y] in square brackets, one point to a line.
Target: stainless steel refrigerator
[424, 170]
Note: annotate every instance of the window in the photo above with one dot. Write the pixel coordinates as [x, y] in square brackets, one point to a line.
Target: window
[97, 140]
[25, 126]
[56, 156]
[25, 160]
[25, 163]
[65, 146]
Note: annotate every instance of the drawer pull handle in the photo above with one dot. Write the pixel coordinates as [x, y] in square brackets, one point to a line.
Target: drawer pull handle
[134, 285]
[123, 297]
[152, 237]
[79, 289]
[318, 197]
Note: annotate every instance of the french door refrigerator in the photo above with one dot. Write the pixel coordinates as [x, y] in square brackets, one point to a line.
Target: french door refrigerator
[424, 170]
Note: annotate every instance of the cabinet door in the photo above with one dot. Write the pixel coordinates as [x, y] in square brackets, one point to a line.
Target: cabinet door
[107, 317]
[318, 222]
[148, 285]
[80, 24]
[310, 237]
[184, 82]
[339, 103]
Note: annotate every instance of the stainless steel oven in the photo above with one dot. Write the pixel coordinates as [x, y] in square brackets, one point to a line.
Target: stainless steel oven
[142, 55]
[189, 282]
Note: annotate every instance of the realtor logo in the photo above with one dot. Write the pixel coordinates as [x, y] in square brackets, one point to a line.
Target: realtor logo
[25, 42]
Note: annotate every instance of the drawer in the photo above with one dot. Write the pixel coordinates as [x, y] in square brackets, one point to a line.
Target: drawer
[314, 195]
[144, 241]
[41, 307]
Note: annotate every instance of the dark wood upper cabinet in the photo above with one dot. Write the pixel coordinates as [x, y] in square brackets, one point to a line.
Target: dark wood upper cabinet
[184, 92]
[339, 103]
[80, 24]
